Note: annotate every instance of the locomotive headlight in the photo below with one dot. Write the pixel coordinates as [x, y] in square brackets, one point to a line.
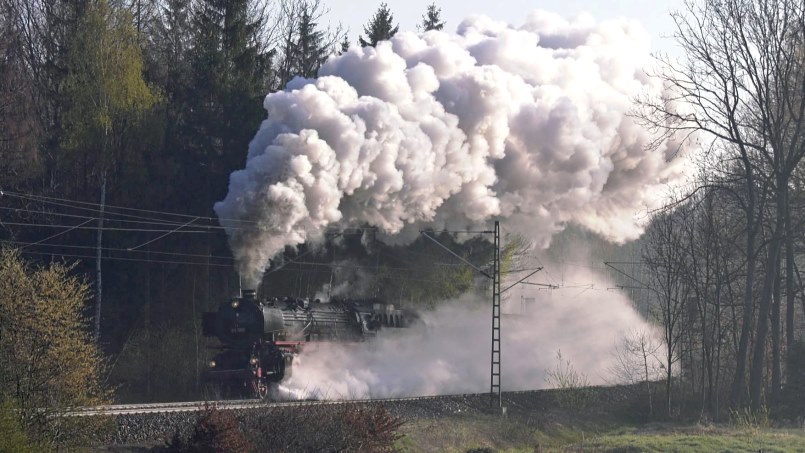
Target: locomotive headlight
[235, 304]
[254, 361]
[212, 363]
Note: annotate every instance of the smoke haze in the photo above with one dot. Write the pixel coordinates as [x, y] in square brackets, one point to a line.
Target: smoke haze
[450, 351]
[527, 124]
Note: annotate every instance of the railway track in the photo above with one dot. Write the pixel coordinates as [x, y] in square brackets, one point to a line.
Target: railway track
[194, 406]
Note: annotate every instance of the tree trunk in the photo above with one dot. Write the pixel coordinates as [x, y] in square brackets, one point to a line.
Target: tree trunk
[775, 334]
[98, 280]
[668, 377]
[789, 286]
[737, 392]
[772, 265]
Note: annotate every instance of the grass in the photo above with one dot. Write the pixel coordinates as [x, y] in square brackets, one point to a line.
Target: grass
[458, 435]
[717, 441]
[502, 434]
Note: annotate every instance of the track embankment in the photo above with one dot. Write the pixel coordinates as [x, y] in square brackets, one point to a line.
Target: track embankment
[142, 424]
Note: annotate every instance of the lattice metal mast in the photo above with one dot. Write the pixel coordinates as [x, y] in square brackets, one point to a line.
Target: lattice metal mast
[495, 386]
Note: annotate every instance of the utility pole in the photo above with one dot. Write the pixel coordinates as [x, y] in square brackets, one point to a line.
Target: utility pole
[495, 369]
[98, 256]
[495, 385]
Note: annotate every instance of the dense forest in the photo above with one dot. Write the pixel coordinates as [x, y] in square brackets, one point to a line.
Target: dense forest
[121, 121]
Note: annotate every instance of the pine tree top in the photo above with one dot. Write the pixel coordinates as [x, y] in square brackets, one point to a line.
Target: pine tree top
[380, 28]
[344, 45]
[432, 19]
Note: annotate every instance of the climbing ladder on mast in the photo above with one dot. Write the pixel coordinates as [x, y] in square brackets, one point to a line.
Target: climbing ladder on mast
[495, 390]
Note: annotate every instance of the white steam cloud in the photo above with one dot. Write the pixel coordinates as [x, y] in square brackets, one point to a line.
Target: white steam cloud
[528, 124]
[450, 352]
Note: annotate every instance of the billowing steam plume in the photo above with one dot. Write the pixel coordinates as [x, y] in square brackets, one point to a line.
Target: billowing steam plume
[442, 130]
[449, 353]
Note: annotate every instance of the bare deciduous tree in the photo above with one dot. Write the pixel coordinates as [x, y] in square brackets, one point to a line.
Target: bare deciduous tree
[637, 361]
[664, 260]
[742, 84]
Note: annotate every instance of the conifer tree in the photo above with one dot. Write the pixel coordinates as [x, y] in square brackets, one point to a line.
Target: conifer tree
[380, 28]
[230, 70]
[310, 44]
[171, 43]
[432, 19]
[305, 46]
[344, 45]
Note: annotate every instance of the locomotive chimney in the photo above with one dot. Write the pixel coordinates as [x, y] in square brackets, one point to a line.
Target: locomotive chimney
[249, 294]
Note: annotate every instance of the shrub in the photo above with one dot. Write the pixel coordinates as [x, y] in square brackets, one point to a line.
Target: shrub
[347, 427]
[572, 387]
[748, 419]
[51, 363]
[215, 431]
[13, 438]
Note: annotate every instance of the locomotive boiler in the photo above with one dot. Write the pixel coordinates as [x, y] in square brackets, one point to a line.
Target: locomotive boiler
[258, 339]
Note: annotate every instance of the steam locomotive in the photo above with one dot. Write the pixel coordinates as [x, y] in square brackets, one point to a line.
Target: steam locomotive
[258, 339]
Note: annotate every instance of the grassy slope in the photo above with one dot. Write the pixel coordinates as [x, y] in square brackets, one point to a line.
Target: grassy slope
[513, 435]
[720, 440]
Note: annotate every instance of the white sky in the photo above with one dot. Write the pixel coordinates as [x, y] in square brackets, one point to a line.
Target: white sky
[652, 14]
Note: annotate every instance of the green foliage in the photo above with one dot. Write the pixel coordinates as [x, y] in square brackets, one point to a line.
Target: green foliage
[513, 248]
[432, 275]
[551, 435]
[50, 363]
[105, 90]
[539, 432]
[432, 20]
[13, 438]
[573, 390]
[676, 442]
[380, 28]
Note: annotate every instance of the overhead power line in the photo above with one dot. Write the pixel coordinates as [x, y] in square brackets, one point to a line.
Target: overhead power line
[58, 234]
[139, 260]
[110, 214]
[105, 228]
[145, 221]
[43, 198]
[114, 249]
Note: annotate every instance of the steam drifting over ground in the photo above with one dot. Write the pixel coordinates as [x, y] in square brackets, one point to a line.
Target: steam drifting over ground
[527, 124]
[449, 353]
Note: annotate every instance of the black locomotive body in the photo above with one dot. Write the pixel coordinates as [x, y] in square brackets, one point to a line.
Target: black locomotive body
[259, 338]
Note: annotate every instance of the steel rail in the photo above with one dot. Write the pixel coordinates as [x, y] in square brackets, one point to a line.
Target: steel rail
[196, 406]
